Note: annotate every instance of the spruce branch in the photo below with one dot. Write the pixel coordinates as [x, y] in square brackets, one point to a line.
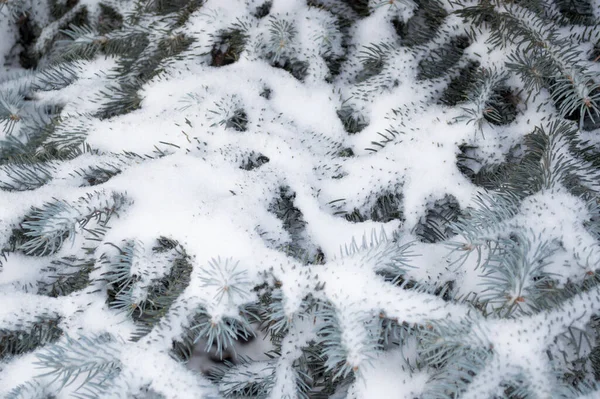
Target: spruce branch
[95, 358]
[255, 379]
[223, 331]
[349, 339]
[222, 276]
[163, 292]
[11, 108]
[22, 176]
[28, 390]
[25, 337]
[45, 229]
[483, 101]
[281, 37]
[514, 278]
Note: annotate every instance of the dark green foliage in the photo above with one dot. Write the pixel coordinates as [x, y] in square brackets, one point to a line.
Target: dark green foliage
[183, 348]
[163, 292]
[139, 60]
[594, 355]
[373, 60]
[147, 393]
[346, 152]
[241, 381]
[266, 93]
[230, 114]
[361, 7]
[120, 278]
[169, 6]
[293, 222]
[228, 46]
[489, 100]
[505, 103]
[443, 58]
[96, 175]
[109, 20]
[219, 336]
[334, 64]
[238, 120]
[387, 207]
[60, 8]
[121, 99]
[455, 356]
[436, 226]
[296, 68]
[458, 88]
[254, 161]
[263, 10]
[423, 25]
[577, 11]
[57, 76]
[186, 11]
[488, 176]
[545, 166]
[353, 122]
[279, 48]
[22, 176]
[542, 58]
[17, 112]
[71, 275]
[28, 32]
[513, 277]
[29, 336]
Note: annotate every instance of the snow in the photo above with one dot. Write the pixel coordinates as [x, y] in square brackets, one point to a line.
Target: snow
[389, 379]
[181, 178]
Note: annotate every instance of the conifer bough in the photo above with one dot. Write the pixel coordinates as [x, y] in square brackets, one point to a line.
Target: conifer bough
[299, 199]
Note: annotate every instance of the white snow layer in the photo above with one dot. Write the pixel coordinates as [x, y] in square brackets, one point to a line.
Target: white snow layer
[196, 192]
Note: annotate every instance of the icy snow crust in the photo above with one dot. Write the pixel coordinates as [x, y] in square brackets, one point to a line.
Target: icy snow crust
[188, 185]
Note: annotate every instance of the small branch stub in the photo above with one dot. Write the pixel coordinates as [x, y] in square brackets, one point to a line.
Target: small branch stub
[102, 40]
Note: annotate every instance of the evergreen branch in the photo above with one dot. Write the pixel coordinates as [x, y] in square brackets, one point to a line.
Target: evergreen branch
[483, 101]
[255, 379]
[572, 87]
[11, 104]
[45, 229]
[162, 293]
[72, 274]
[349, 339]
[282, 33]
[28, 390]
[514, 277]
[223, 331]
[226, 280]
[96, 358]
[58, 76]
[23, 176]
[120, 99]
[26, 337]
